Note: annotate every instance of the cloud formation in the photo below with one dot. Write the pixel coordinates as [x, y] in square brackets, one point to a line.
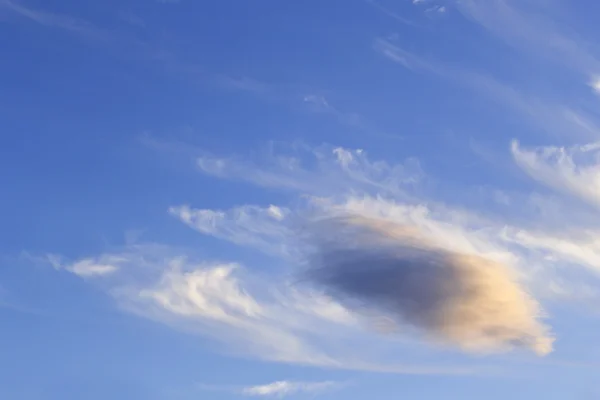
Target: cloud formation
[461, 299]
[282, 389]
[246, 225]
[382, 260]
[88, 267]
[529, 26]
[574, 171]
[263, 317]
[548, 114]
[322, 171]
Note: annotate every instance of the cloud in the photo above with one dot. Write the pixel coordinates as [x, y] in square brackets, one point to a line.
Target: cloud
[406, 58]
[533, 31]
[88, 267]
[545, 114]
[274, 320]
[116, 40]
[455, 229]
[247, 225]
[595, 84]
[319, 171]
[574, 171]
[461, 299]
[286, 388]
[129, 45]
[437, 9]
[391, 14]
[263, 317]
[215, 300]
[473, 279]
[48, 19]
[575, 247]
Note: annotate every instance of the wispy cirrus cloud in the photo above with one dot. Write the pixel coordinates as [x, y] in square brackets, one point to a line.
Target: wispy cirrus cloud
[319, 104]
[246, 225]
[579, 247]
[574, 171]
[283, 389]
[278, 389]
[548, 114]
[530, 26]
[88, 267]
[295, 97]
[394, 15]
[323, 170]
[54, 20]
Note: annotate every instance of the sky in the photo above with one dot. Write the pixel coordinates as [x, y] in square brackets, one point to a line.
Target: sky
[358, 199]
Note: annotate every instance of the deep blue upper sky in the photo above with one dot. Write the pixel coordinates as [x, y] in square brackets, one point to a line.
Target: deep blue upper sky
[157, 158]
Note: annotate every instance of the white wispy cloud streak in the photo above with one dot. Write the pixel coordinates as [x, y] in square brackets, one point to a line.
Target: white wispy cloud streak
[551, 116]
[574, 170]
[392, 14]
[49, 19]
[88, 267]
[319, 104]
[246, 225]
[533, 31]
[286, 388]
[294, 96]
[319, 171]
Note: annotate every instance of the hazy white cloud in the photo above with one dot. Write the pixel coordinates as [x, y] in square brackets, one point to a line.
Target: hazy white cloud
[594, 83]
[253, 226]
[574, 171]
[318, 171]
[546, 114]
[578, 247]
[319, 104]
[437, 9]
[49, 19]
[88, 267]
[534, 31]
[391, 13]
[244, 313]
[408, 59]
[286, 388]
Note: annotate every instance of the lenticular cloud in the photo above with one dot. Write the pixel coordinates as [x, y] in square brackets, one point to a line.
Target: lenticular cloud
[459, 299]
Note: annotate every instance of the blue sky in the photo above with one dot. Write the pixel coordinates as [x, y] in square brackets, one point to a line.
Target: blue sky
[171, 171]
